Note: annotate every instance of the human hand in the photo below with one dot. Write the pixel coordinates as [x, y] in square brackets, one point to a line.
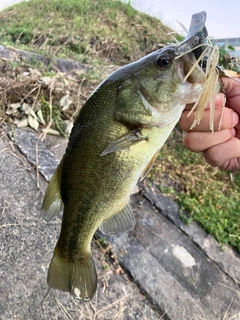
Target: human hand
[222, 147]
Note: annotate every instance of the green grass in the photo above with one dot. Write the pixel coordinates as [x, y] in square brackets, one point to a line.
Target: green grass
[82, 29]
[207, 194]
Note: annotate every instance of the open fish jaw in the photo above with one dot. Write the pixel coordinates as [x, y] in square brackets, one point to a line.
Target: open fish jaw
[207, 58]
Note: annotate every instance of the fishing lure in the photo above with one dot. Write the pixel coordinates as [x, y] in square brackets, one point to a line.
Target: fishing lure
[207, 57]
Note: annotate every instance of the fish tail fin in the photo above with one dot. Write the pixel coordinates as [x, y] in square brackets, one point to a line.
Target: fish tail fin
[77, 277]
[52, 202]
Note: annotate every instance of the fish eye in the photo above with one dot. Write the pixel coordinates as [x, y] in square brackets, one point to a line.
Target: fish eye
[164, 61]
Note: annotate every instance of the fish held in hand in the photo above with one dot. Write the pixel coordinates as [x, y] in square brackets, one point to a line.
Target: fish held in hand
[114, 142]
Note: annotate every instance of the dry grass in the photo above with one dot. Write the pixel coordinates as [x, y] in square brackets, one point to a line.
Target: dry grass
[27, 87]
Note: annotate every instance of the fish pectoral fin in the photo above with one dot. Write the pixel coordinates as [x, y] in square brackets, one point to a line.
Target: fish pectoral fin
[52, 202]
[77, 277]
[122, 221]
[149, 166]
[125, 141]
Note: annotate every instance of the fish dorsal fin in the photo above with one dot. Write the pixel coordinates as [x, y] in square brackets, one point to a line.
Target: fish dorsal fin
[122, 221]
[149, 166]
[124, 142]
[52, 202]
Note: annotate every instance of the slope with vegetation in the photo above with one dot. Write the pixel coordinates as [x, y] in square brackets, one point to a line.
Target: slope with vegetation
[106, 34]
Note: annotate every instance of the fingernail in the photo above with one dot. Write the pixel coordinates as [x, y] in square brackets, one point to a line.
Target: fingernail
[219, 99]
[235, 118]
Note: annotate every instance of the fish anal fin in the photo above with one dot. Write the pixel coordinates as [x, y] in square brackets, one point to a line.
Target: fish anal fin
[126, 141]
[77, 277]
[149, 166]
[122, 221]
[52, 202]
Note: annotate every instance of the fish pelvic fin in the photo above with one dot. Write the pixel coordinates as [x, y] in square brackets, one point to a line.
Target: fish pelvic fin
[79, 277]
[149, 166]
[122, 221]
[52, 202]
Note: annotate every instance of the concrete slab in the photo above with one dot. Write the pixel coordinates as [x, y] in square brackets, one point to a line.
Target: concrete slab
[227, 259]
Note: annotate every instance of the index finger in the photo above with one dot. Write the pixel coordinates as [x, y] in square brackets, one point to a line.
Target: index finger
[229, 120]
[219, 101]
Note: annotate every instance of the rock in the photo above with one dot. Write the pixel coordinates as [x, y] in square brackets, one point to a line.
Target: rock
[61, 65]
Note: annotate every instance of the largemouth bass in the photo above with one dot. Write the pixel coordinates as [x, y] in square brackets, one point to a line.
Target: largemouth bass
[115, 139]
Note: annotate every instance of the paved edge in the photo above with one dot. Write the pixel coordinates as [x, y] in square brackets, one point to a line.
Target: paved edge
[227, 259]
